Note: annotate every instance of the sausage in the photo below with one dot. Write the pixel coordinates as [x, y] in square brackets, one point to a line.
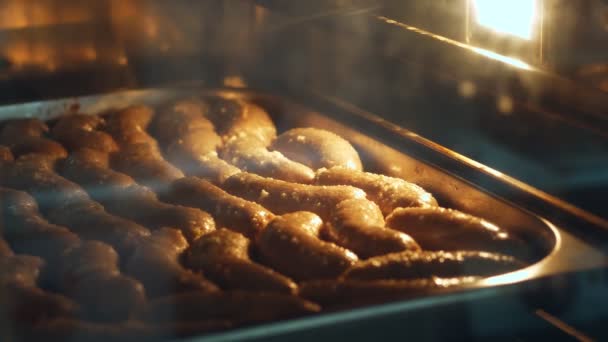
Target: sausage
[388, 192]
[28, 306]
[128, 126]
[141, 162]
[237, 306]
[239, 118]
[179, 118]
[24, 302]
[28, 232]
[90, 275]
[283, 197]
[77, 131]
[358, 225]
[343, 293]
[20, 270]
[424, 264]
[90, 221]
[317, 148]
[289, 245]
[67, 204]
[28, 136]
[15, 129]
[155, 262]
[223, 256]
[445, 229]
[249, 155]
[121, 196]
[247, 130]
[229, 211]
[34, 173]
[5, 250]
[191, 141]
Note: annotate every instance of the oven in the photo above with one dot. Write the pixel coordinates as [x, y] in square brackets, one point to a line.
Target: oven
[496, 108]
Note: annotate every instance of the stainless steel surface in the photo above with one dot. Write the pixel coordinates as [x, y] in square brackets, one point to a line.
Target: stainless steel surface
[556, 251]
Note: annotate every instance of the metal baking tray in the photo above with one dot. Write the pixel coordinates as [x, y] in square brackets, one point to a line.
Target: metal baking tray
[391, 150]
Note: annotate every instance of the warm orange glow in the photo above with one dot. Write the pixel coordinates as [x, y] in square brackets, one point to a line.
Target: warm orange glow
[21, 14]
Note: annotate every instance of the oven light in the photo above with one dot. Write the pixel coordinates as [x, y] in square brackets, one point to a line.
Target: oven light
[513, 17]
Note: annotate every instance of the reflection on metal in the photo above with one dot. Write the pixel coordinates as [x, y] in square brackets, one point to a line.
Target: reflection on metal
[505, 59]
[513, 17]
[487, 53]
[563, 326]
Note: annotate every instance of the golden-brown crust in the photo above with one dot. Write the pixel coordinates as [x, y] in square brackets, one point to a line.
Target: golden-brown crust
[39, 145]
[155, 262]
[445, 229]
[241, 119]
[14, 130]
[317, 148]
[388, 192]
[128, 126]
[90, 275]
[223, 256]
[358, 225]
[121, 196]
[424, 264]
[284, 197]
[29, 232]
[251, 156]
[289, 246]
[140, 162]
[229, 211]
[80, 131]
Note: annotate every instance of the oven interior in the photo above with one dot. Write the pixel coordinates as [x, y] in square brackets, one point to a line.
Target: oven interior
[533, 109]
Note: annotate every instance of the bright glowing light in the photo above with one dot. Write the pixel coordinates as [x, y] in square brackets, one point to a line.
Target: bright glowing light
[505, 59]
[514, 17]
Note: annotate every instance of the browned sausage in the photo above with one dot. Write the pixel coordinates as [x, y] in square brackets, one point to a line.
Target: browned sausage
[317, 148]
[28, 232]
[358, 225]
[28, 136]
[229, 211]
[5, 250]
[121, 196]
[23, 302]
[444, 229]
[29, 306]
[247, 130]
[128, 126]
[230, 305]
[388, 192]
[67, 204]
[289, 245]
[239, 118]
[284, 197]
[223, 256]
[155, 263]
[191, 141]
[424, 264]
[248, 154]
[90, 275]
[34, 173]
[140, 162]
[81, 131]
[348, 293]
[15, 129]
